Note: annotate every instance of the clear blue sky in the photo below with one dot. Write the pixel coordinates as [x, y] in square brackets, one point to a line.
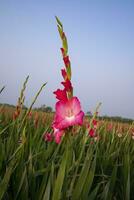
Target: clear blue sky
[101, 48]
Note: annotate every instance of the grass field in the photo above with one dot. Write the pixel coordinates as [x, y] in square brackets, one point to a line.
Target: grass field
[80, 167]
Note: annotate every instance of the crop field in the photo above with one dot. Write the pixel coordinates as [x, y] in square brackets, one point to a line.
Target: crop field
[64, 155]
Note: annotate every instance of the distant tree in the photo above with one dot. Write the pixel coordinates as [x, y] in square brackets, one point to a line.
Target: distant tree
[48, 109]
[8, 105]
[44, 108]
[89, 114]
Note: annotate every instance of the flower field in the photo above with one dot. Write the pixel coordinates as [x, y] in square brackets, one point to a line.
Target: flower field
[64, 155]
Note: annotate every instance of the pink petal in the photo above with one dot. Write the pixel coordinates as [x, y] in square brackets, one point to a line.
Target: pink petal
[79, 118]
[75, 104]
[61, 94]
[68, 113]
[60, 109]
[58, 134]
[91, 132]
[62, 124]
[66, 122]
[48, 137]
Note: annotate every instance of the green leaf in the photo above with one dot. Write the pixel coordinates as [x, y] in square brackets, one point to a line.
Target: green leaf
[59, 22]
[93, 195]
[65, 44]
[5, 181]
[89, 179]
[110, 186]
[60, 31]
[46, 195]
[60, 177]
[21, 182]
[126, 175]
[82, 178]
[42, 187]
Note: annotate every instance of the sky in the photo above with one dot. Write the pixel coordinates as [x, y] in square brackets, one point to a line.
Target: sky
[101, 48]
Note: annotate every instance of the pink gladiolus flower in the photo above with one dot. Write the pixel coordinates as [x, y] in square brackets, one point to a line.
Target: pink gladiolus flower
[110, 127]
[64, 74]
[91, 132]
[68, 108]
[68, 113]
[67, 84]
[30, 115]
[66, 61]
[63, 52]
[47, 137]
[58, 134]
[61, 94]
[95, 123]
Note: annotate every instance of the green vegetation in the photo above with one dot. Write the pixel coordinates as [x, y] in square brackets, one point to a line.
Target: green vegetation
[80, 167]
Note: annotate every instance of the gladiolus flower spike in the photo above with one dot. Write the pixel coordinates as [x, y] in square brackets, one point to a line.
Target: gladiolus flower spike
[92, 127]
[68, 109]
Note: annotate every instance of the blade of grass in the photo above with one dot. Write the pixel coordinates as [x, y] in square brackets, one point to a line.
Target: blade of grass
[60, 177]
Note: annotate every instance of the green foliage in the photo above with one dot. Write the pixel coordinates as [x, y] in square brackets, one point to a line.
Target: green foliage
[78, 168]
